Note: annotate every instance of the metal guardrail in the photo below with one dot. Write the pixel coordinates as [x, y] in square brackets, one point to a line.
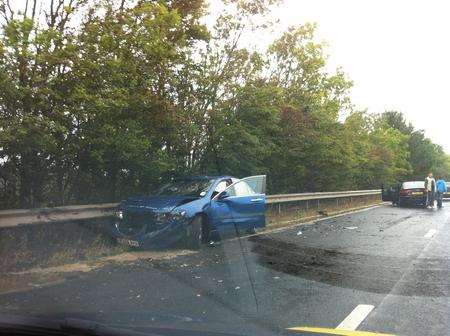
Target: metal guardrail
[18, 217]
[319, 195]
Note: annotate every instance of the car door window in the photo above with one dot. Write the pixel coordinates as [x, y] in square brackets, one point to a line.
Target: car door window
[256, 183]
[240, 188]
[248, 186]
[221, 186]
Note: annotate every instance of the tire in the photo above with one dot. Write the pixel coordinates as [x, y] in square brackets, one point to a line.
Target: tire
[251, 231]
[195, 234]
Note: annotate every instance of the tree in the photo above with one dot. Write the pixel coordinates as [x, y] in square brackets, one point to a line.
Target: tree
[102, 100]
[310, 155]
[84, 111]
[425, 156]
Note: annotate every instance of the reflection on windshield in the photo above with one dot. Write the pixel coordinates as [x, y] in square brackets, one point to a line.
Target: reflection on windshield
[415, 184]
[194, 188]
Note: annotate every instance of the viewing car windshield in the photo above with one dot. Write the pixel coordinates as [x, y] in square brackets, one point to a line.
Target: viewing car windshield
[194, 188]
[413, 185]
[225, 167]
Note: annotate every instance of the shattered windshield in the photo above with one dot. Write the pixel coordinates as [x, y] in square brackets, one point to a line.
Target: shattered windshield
[194, 188]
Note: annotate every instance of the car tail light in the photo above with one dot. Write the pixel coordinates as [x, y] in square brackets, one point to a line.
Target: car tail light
[405, 192]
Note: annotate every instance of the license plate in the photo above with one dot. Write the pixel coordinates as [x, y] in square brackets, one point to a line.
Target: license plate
[417, 193]
[128, 242]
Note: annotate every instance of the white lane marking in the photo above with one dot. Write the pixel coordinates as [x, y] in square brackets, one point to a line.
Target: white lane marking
[354, 319]
[430, 233]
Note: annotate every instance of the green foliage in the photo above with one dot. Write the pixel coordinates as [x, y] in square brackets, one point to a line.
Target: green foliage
[141, 92]
[425, 156]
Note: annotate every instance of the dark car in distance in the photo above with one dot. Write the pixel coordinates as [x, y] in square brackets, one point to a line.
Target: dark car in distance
[192, 210]
[411, 193]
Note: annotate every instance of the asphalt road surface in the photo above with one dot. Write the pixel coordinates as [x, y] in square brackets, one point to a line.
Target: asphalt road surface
[383, 270]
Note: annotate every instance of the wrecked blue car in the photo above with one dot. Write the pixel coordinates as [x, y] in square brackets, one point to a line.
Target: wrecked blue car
[192, 210]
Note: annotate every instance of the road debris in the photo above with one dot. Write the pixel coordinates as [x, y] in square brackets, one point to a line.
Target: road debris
[350, 227]
[299, 233]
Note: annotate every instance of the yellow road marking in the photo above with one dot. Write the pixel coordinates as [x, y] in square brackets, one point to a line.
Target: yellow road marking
[341, 332]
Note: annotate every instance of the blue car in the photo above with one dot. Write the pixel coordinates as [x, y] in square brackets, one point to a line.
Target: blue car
[193, 210]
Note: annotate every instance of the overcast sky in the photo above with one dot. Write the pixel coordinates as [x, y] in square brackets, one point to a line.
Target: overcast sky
[397, 52]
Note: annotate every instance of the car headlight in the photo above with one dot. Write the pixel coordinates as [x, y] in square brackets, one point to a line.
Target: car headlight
[119, 214]
[179, 215]
[162, 218]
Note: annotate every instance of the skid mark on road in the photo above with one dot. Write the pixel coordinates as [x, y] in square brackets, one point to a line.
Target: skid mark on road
[370, 273]
[389, 224]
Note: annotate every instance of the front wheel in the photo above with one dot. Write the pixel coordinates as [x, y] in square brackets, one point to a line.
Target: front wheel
[196, 233]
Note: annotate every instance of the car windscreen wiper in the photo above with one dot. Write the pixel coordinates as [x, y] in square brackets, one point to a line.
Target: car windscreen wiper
[15, 325]
[32, 326]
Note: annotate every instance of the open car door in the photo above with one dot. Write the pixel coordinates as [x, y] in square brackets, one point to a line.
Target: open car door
[241, 206]
[386, 193]
[390, 193]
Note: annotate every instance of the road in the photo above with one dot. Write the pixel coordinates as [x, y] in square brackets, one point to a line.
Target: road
[394, 259]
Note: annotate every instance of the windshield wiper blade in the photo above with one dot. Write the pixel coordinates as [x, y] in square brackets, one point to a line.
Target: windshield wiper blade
[85, 327]
[33, 326]
[24, 325]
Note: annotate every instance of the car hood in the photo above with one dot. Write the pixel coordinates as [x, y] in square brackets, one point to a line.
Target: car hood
[155, 203]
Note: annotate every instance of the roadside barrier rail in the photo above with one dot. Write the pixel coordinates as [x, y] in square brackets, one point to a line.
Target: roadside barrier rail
[319, 195]
[18, 217]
